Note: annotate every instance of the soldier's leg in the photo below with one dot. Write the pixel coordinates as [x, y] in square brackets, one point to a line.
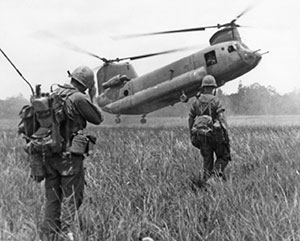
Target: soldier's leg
[208, 159]
[72, 188]
[51, 223]
[223, 157]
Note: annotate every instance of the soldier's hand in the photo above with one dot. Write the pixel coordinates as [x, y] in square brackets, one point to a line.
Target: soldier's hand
[92, 92]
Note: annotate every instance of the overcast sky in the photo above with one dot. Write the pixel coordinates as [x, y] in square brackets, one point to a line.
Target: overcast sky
[91, 24]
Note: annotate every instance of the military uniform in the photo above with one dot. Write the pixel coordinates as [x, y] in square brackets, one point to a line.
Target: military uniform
[216, 144]
[64, 173]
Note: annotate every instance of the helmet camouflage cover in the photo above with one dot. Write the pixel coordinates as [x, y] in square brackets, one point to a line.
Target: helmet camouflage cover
[84, 75]
[208, 80]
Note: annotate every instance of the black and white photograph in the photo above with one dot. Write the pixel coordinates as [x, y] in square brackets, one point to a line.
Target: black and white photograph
[148, 120]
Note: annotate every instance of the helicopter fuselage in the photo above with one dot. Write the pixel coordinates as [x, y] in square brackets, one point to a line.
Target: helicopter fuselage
[164, 86]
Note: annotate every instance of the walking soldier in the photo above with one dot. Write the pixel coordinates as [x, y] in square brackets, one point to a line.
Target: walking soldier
[56, 145]
[208, 130]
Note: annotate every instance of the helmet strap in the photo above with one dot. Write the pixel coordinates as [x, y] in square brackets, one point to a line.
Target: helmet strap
[77, 85]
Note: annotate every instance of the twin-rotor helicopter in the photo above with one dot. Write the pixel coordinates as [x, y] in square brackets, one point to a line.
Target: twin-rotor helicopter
[122, 92]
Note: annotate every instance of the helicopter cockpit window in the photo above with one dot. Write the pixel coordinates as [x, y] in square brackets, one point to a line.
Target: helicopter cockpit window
[210, 58]
[231, 48]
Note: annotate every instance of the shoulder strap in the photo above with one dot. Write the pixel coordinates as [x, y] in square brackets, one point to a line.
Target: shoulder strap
[64, 92]
[207, 106]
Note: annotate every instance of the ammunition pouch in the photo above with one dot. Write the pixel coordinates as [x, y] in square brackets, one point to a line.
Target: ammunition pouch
[44, 147]
[82, 144]
[37, 170]
[43, 143]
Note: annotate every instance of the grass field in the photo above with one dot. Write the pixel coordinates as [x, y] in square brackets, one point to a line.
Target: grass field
[138, 185]
[271, 120]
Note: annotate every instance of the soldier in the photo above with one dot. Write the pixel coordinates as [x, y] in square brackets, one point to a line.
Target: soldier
[64, 172]
[208, 129]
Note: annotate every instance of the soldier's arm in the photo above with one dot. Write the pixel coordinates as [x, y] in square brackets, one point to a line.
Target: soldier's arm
[222, 119]
[88, 110]
[221, 114]
[192, 116]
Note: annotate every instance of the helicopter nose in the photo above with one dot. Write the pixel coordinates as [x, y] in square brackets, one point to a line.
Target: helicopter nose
[252, 58]
[258, 57]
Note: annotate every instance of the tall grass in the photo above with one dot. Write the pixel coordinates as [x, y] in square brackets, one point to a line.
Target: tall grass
[139, 184]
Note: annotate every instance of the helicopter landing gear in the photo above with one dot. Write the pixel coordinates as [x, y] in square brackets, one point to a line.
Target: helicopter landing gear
[183, 98]
[118, 120]
[143, 120]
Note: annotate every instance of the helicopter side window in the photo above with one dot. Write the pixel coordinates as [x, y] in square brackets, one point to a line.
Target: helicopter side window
[231, 48]
[210, 58]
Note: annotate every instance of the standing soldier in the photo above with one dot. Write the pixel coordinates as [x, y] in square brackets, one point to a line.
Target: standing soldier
[208, 129]
[62, 168]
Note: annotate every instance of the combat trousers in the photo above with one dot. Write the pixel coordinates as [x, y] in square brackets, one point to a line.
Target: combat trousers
[209, 148]
[64, 186]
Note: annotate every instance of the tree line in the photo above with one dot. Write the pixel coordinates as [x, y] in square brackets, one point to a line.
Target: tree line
[10, 107]
[255, 99]
[260, 100]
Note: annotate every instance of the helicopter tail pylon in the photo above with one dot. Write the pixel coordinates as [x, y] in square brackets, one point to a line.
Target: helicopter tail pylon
[110, 70]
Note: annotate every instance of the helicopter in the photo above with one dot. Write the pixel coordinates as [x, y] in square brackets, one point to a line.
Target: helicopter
[122, 92]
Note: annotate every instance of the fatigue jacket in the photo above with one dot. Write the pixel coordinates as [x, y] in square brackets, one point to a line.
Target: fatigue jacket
[79, 108]
[205, 104]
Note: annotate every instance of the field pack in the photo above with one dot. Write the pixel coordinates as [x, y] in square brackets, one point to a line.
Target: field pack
[41, 123]
[203, 124]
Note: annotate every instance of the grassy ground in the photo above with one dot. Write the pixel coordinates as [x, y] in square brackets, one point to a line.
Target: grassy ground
[138, 185]
[276, 120]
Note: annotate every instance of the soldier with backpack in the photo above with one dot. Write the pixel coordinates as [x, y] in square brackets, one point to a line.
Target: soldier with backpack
[208, 130]
[53, 127]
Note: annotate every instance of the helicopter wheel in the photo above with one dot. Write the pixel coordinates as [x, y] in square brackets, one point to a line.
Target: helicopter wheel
[143, 120]
[118, 120]
[183, 98]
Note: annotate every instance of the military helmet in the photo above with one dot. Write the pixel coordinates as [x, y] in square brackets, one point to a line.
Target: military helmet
[208, 80]
[84, 75]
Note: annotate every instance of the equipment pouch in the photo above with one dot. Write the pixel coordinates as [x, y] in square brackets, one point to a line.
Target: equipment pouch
[37, 167]
[79, 144]
[92, 142]
[28, 124]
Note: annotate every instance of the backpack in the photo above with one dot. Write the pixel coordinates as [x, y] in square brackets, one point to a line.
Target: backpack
[203, 124]
[41, 123]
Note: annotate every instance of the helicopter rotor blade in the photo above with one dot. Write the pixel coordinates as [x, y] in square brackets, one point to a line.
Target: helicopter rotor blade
[164, 32]
[243, 12]
[66, 44]
[73, 47]
[148, 55]
[80, 50]
[153, 54]
[229, 24]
